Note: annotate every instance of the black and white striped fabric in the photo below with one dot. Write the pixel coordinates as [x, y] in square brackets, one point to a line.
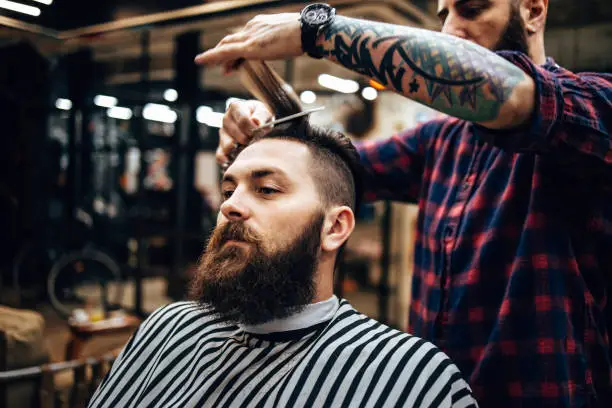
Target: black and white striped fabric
[185, 356]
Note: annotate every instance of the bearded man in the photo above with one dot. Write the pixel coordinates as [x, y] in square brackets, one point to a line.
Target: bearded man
[265, 329]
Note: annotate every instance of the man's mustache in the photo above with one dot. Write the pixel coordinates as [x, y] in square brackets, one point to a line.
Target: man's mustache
[234, 231]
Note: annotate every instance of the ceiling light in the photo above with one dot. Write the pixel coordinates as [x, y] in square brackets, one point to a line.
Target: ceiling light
[156, 107]
[20, 8]
[206, 116]
[159, 113]
[105, 101]
[170, 95]
[308, 97]
[369, 93]
[63, 104]
[46, 2]
[338, 84]
[118, 112]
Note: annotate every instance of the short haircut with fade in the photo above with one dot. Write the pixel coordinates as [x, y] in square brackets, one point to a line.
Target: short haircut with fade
[335, 167]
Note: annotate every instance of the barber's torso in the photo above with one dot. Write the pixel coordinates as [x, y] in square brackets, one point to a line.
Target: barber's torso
[513, 262]
[513, 254]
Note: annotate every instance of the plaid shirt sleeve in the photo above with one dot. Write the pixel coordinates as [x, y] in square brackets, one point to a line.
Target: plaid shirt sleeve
[573, 113]
[394, 167]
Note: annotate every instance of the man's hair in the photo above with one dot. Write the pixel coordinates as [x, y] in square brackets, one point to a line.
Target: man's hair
[335, 166]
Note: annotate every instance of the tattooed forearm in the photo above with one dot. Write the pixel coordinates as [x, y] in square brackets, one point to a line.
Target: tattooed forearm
[449, 74]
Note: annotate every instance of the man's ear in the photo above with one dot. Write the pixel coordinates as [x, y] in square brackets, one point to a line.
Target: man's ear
[534, 15]
[337, 228]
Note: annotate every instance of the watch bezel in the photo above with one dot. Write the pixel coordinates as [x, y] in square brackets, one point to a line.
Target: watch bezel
[323, 6]
[311, 28]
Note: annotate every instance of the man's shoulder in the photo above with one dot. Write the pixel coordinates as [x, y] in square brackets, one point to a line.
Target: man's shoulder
[377, 348]
[367, 335]
[176, 311]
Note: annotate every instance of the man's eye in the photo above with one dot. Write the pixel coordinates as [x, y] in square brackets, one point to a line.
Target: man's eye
[470, 11]
[267, 190]
[227, 194]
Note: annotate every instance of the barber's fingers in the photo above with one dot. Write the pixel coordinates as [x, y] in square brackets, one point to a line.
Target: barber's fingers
[260, 113]
[225, 53]
[226, 146]
[231, 128]
[239, 124]
[247, 116]
[226, 142]
[270, 37]
[238, 37]
[239, 114]
[222, 159]
[249, 44]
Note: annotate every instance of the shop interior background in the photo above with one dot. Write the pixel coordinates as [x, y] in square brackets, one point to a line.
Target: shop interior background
[108, 132]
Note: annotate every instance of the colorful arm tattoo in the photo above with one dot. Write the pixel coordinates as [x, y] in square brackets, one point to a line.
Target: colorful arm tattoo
[449, 74]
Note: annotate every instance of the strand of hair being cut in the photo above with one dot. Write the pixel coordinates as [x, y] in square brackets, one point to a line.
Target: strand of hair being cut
[264, 83]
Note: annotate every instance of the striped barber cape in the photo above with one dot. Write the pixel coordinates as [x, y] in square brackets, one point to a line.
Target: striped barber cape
[186, 356]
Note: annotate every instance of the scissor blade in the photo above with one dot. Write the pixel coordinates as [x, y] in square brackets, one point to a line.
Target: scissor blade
[291, 117]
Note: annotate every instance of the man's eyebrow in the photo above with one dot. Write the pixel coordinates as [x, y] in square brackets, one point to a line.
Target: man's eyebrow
[228, 178]
[256, 174]
[261, 173]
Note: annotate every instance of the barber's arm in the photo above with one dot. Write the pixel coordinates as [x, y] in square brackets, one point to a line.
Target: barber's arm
[446, 73]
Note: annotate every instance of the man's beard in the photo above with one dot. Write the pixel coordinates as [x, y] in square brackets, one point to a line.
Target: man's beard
[244, 284]
[514, 37]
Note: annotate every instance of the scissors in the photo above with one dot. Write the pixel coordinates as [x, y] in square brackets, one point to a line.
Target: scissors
[238, 146]
[290, 117]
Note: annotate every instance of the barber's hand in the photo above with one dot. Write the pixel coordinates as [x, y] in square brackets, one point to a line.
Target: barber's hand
[239, 123]
[265, 37]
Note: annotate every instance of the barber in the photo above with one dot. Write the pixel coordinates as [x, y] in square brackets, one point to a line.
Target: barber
[513, 259]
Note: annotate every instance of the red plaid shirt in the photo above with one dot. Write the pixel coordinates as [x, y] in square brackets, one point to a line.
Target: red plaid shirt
[513, 256]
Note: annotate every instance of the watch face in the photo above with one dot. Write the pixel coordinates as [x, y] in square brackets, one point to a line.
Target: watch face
[319, 14]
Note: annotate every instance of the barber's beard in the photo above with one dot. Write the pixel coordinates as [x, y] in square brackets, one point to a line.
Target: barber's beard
[514, 37]
[245, 284]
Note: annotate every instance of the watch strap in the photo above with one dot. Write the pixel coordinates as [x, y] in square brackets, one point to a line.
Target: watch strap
[309, 41]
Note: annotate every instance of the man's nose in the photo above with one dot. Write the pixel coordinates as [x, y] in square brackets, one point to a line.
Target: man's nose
[235, 208]
[454, 26]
